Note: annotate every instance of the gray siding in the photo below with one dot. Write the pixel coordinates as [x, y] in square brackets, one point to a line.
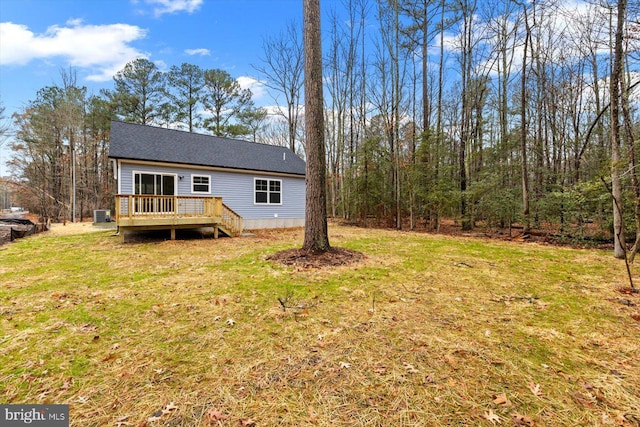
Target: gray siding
[236, 189]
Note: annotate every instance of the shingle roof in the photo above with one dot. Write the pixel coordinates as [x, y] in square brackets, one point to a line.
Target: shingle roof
[139, 142]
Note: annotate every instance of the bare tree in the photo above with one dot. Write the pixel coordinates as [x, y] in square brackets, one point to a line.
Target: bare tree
[4, 126]
[282, 67]
[468, 10]
[388, 96]
[616, 164]
[526, 216]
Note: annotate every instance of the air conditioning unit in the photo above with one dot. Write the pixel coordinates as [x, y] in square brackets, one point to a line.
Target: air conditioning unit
[101, 216]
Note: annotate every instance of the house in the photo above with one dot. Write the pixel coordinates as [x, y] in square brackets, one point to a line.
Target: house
[169, 179]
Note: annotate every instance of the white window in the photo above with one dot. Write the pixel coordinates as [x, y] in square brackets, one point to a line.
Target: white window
[201, 184]
[268, 191]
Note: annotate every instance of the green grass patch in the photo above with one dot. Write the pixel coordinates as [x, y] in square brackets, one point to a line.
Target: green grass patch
[426, 330]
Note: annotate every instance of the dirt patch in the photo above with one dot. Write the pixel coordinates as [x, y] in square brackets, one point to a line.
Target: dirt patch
[59, 229]
[16, 228]
[317, 259]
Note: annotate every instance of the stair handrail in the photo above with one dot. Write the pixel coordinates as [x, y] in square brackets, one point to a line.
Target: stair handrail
[232, 220]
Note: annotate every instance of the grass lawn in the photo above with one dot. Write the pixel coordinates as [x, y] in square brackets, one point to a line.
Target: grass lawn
[425, 331]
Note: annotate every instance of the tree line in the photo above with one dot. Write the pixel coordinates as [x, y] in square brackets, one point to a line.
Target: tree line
[499, 113]
[494, 131]
[179, 97]
[61, 140]
[527, 115]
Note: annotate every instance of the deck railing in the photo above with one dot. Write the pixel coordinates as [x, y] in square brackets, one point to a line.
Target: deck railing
[135, 210]
[139, 205]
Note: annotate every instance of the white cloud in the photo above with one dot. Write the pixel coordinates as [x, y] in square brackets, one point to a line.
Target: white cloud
[101, 49]
[74, 22]
[275, 112]
[201, 51]
[174, 6]
[162, 66]
[258, 89]
[450, 42]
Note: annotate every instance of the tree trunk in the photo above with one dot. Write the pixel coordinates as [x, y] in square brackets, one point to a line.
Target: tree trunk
[633, 167]
[616, 184]
[526, 218]
[468, 11]
[316, 234]
[396, 113]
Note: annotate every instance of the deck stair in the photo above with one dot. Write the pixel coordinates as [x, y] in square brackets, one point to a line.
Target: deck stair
[231, 223]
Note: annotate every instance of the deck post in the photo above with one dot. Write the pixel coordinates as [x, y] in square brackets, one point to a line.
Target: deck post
[215, 232]
[217, 206]
[173, 233]
[175, 209]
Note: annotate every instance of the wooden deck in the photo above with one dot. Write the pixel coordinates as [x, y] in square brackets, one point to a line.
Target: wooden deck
[145, 212]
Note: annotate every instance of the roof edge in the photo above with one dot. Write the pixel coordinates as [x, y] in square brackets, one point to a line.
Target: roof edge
[208, 167]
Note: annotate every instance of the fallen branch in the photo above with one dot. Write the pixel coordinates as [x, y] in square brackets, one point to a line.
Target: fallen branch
[505, 298]
[410, 291]
[463, 264]
[286, 303]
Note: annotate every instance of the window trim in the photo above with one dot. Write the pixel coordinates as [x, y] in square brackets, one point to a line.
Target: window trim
[193, 191]
[268, 191]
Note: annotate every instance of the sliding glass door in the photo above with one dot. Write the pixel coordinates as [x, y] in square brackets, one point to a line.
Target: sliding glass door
[154, 184]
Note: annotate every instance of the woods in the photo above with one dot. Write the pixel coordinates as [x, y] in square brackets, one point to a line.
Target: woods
[489, 115]
[495, 114]
[60, 152]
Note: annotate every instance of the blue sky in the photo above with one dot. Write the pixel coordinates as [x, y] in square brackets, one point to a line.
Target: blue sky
[97, 37]
[38, 38]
